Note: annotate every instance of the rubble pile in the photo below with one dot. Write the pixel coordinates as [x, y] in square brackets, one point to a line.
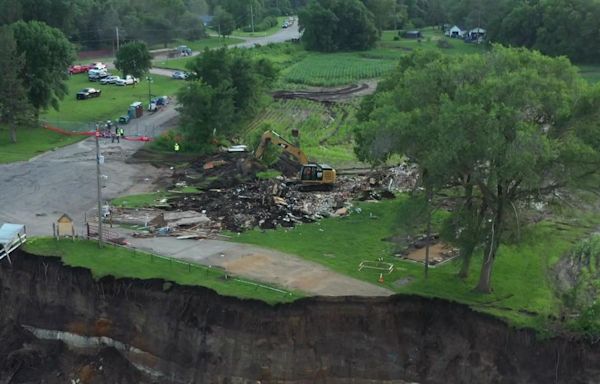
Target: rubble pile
[222, 191]
[264, 204]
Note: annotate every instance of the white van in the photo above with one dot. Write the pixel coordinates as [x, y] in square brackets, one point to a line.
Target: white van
[97, 74]
[98, 66]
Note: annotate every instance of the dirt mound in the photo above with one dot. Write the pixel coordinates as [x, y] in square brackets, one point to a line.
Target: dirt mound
[323, 95]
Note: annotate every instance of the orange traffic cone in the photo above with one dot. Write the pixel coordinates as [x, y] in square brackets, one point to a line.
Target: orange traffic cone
[381, 278]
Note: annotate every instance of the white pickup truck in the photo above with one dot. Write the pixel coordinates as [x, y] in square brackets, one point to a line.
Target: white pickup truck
[127, 80]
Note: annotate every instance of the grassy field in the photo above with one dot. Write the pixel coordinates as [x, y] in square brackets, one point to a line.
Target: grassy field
[113, 102]
[199, 45]
[196, 46]
[590, 72]
[31, 142]
[123, 262]
[271, 31]
[139, 201]
[523, 294]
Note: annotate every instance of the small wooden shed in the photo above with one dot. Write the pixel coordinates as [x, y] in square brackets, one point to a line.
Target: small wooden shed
[64, 226]
[412, 35]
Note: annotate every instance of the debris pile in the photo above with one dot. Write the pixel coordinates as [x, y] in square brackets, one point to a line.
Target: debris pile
[263, 203]
[223, 192]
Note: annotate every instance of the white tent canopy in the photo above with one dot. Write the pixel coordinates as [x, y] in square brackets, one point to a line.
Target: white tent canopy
[11, 237]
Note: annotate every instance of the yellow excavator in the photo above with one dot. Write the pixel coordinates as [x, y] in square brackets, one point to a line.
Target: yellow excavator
[312, 176]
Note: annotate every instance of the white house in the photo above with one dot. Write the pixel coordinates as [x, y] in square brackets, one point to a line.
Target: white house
[476, 33]
[455, 32]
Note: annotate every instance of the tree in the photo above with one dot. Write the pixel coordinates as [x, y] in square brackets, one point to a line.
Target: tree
[216, 114]
[223, 92]
[498, 126]
[383, 12]
[14, 106]
[223, 22]
[47, 54]
[133, 59]
[335, 25]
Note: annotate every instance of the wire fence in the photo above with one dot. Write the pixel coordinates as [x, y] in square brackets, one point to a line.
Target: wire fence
[133, 128]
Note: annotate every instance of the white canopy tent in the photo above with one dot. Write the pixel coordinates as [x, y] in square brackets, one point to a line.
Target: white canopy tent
[12, 236]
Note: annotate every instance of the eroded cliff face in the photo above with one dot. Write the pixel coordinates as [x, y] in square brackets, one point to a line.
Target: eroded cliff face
[192, 335]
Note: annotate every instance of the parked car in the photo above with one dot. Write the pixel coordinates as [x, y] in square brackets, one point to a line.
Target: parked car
[109, 80]
[86, 93]
[179, 75]
[184, 50]
[78, 68]
[97, 66]
[124, 119]
[127, 80]
[285, 25]
[97, 74]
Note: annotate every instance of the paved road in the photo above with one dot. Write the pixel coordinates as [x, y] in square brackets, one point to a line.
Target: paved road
[282, 35]
[262, 265]
[38, 191]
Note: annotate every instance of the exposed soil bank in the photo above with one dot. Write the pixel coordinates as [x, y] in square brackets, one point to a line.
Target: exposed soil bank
[193, 335]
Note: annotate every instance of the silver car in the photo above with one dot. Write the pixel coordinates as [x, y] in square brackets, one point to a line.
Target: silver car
[109, 80]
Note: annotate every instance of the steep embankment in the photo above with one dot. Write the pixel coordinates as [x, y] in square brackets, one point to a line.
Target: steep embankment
[192, 335]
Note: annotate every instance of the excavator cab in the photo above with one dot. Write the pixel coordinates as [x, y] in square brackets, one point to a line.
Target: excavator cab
[317, 174]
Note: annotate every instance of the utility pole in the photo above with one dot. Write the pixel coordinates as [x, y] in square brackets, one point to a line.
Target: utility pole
[252, 17]
[149, 89]
[117, 31]
[99, 186]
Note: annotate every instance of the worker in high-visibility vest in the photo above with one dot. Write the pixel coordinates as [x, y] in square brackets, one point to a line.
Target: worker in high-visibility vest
[176, 147]
[121, 132]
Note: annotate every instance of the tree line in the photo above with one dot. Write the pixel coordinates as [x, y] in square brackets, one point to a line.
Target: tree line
[92, 24]
[554, 27]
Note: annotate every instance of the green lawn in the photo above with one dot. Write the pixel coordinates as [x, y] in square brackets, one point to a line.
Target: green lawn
[590, 72]
[113, 102]
[196, 46]
[199, 45]
[139, 201]
[271, 31]
[522, 294]
[31, 142]
[122, 262]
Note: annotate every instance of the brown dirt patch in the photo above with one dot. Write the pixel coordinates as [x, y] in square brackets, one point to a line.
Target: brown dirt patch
[438, 253]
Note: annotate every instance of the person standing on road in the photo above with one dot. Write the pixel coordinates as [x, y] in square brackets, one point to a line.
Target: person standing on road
[176, 147]
[121, 132]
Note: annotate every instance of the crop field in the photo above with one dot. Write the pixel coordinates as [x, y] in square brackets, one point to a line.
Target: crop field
[325, 131]
[335, 68]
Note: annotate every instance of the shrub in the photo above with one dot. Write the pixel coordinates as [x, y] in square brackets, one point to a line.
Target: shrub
[443, 43]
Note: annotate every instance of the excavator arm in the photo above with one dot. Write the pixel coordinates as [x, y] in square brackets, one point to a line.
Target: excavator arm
[270, 137]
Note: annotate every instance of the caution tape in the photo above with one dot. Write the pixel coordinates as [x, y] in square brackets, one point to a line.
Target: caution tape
[92, 133]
